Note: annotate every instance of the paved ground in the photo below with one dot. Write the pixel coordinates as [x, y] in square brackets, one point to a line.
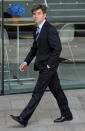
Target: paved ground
[46, 112]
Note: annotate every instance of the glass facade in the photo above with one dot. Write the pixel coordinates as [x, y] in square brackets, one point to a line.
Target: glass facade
[16, 37]
[0, 50]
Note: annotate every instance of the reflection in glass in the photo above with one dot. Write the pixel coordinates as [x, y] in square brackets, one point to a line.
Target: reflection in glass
[69, 19]
[70, 71]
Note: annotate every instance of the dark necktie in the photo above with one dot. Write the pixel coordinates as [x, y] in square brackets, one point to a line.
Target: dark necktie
[37, 33]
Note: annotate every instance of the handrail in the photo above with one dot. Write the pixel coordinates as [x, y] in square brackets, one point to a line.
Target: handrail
[62, 3]
[66, 16]
[71, 9]
[20, 0]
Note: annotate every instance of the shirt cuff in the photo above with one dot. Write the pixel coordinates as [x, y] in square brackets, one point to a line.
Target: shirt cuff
[25, 62]
[48, 66]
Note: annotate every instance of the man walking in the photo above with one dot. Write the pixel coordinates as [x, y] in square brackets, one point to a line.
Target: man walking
[47, 48]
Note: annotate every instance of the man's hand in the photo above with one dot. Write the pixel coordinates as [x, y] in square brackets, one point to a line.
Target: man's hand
[22, 66]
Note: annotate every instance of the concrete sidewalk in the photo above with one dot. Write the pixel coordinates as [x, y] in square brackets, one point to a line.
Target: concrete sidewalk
[46, 112]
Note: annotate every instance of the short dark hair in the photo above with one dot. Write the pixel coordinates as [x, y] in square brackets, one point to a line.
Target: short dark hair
[42, 7]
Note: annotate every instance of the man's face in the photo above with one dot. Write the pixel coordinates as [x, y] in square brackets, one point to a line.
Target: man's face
[38, 16]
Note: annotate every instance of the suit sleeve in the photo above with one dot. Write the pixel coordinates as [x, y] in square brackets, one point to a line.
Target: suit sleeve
[31, 54]
[55, 46]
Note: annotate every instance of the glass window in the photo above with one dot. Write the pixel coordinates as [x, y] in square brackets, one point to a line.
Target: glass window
[0, 48]
[68, 17]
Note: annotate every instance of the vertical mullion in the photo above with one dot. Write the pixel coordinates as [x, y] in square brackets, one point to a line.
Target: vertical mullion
[2, 25]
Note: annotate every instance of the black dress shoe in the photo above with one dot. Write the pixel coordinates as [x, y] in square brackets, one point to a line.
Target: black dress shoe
[63, 118]
[19, 120]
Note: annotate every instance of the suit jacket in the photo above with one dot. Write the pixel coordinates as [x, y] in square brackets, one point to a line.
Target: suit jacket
[47, 49]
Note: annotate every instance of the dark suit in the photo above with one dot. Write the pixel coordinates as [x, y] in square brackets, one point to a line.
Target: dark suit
[47, 50]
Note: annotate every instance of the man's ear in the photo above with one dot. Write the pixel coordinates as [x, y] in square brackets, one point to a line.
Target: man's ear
[45, 15]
